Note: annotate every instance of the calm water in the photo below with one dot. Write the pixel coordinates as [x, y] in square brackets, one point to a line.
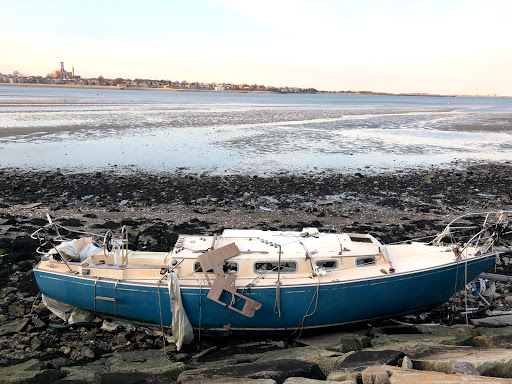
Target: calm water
[84, 129]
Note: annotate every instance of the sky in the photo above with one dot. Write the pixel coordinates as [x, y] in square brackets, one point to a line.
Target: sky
[436, 46]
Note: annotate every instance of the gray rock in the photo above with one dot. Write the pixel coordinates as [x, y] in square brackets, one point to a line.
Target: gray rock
[16, 310]
[375, 375]
[123, 337]
[408, 376]
[494, 321]
[38, 322]
[494, 337]
[28, 372]
[13, 327]
[140, 336]
[151, 362]
[7, 290]
[325, 359]
[110, 326]
[368, 358]
[354, 343]
[81, 376]
[159, 343]
[278, 370]
[303, 380]
[464, 368]
[59, 362]
[407, 363]
[231, 380]
[353, 363]
[65, 350]
[462, 335]
[36, 343]
[432, 357]
[341, 341]
[85, 351]
[445, 330]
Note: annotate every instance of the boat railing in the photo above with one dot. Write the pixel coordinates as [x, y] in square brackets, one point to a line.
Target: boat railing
[124, 246]
[481, 230]
[52, 234]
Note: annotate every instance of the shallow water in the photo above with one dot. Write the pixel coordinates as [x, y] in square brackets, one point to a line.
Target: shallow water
[86, 129]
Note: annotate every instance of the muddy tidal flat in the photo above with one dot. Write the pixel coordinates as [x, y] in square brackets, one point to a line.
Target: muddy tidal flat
[394, 206]
[257, 134]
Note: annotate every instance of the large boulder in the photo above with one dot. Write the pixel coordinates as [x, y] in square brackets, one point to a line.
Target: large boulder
[13, 327]
[149, 362]
[494, 337]
[325, 359]
[340, 341]
[353, 364]
[277, 370]
[494, 321]
[445, 358]
[303, 380]
[30, 371]
[407, 376]
[378, 374]
[435, 333]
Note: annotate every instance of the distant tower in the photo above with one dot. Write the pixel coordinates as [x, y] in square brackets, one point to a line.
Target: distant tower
[62, 74]
[73, 71]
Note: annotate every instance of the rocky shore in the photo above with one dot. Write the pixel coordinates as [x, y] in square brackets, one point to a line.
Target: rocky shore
[36, 346]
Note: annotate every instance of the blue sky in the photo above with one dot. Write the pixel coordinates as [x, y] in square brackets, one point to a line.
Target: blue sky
[461, 47]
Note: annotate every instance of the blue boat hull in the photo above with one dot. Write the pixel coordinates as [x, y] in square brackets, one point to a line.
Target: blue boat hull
[328, 303]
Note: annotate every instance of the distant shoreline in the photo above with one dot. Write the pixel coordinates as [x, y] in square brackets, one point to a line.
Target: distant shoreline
[112, 87]
[98, 87]
[232, 91]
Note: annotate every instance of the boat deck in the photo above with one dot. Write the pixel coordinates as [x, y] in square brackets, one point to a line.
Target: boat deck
[306, 258]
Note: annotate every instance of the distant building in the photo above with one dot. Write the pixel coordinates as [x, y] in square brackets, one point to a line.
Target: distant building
[62, 74]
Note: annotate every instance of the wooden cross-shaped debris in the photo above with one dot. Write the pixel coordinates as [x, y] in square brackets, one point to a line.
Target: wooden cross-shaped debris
[214, 260]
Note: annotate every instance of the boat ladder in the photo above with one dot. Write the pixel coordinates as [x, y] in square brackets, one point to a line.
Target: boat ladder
[105, 298]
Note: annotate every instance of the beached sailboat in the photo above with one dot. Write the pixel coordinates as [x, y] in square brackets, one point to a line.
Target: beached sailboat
[268, 280]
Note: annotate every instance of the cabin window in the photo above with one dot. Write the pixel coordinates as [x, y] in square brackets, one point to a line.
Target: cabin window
[230, 267]
[367, 260]
[327, 264]
[272, 266]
